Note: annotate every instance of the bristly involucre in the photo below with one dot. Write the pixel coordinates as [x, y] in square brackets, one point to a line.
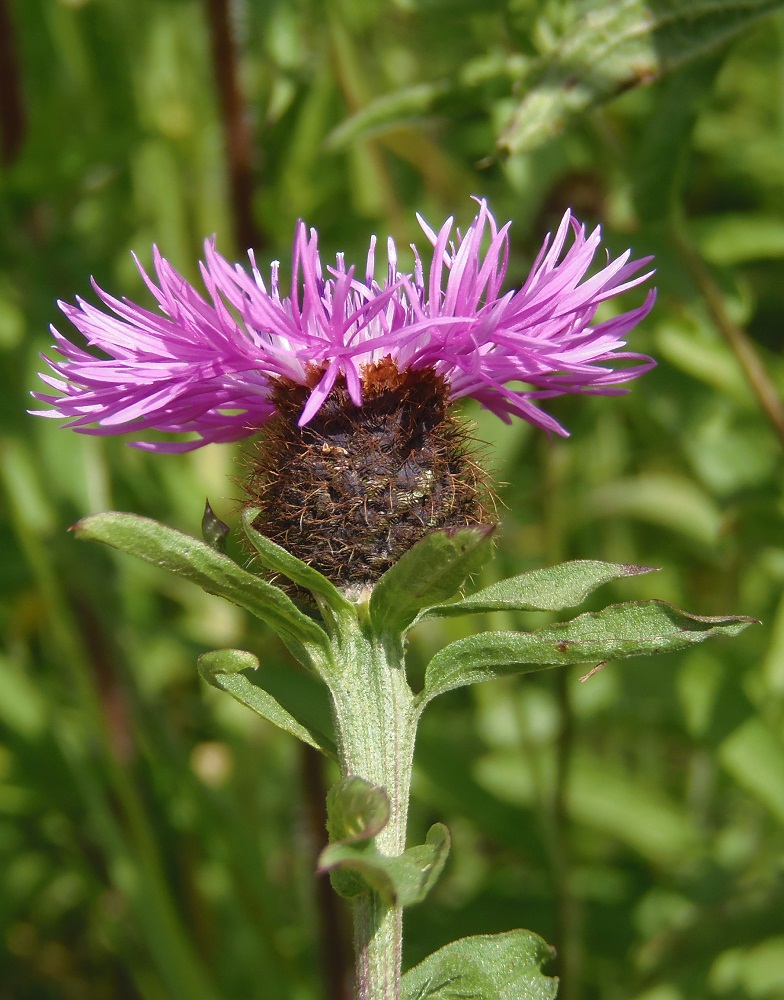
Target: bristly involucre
[212, 368]
[357, 486]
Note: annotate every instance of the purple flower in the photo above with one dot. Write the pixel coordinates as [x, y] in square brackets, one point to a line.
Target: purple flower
[208, 366]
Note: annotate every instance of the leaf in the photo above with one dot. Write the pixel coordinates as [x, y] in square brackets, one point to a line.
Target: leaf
[731, 238]
[224, 669]
[356, 810]
[710, 361]
[430, 572]
[633, 629]
[616, 47]
[279, 560]
[602, 795]
[658, 170]
[486, 967]
[673, 501]
[216, 574]
[552, 589]
[754, 755]
[386, 111]
[400, 881]
[213, 530]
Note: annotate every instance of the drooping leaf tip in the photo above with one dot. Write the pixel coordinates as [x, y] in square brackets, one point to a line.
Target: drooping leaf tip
[225, 661]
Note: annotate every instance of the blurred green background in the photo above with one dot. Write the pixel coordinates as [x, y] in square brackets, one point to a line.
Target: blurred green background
[156, 840]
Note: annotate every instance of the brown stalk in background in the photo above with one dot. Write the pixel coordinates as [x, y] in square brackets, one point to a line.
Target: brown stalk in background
[13, 121]
[235, 120]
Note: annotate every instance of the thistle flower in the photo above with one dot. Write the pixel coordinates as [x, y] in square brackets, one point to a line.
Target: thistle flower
[352, 379]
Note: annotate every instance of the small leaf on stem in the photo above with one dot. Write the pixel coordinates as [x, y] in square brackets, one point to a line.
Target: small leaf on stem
[400, 881]
[356, 810]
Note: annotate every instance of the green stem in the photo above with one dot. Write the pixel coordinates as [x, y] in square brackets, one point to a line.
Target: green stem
[375, 727]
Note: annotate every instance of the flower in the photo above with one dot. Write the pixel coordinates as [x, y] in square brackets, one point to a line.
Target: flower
[210, 366]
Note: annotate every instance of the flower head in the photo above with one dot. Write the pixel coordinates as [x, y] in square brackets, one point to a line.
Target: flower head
[210, 367]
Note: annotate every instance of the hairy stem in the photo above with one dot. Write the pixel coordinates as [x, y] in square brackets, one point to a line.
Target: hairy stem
[375, 725]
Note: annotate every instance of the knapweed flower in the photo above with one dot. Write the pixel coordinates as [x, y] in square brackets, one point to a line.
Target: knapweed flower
[351, 379]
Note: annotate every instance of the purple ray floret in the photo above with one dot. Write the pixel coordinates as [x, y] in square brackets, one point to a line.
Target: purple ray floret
[206, 366]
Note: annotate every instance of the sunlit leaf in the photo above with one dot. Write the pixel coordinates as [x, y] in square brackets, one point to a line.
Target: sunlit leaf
[730, 238]
[672, 501]
[618, 46]
[552, 589]
[486, 967]
[214, 572]
[621, 630]
[601, 795]
[394, 108]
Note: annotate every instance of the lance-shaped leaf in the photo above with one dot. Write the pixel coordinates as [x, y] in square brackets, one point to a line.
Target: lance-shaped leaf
[400, 106]
[430, 572]
[486, 967]
[400, 881]
[633, 629]
[551, 589]
[225, 670]
[215, 573]
[279, 560]
[617, 46]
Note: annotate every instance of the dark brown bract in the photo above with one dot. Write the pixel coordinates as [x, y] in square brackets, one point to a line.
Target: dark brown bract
[355, 488]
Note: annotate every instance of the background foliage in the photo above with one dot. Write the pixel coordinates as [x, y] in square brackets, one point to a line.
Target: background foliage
[156, 840]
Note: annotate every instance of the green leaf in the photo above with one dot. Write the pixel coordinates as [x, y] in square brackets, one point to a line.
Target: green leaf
[279, 560]
[431, 571]
[356, 810]
[618, 46]
[731, 238]
[486, 967]
[670, 500]
[400, 881]
[754, 755]
[602, 795]
[213, 530]
[634, 629]
[389, 110]
[224, 669]
[658, 170]
[552, 589]
[216, 574]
